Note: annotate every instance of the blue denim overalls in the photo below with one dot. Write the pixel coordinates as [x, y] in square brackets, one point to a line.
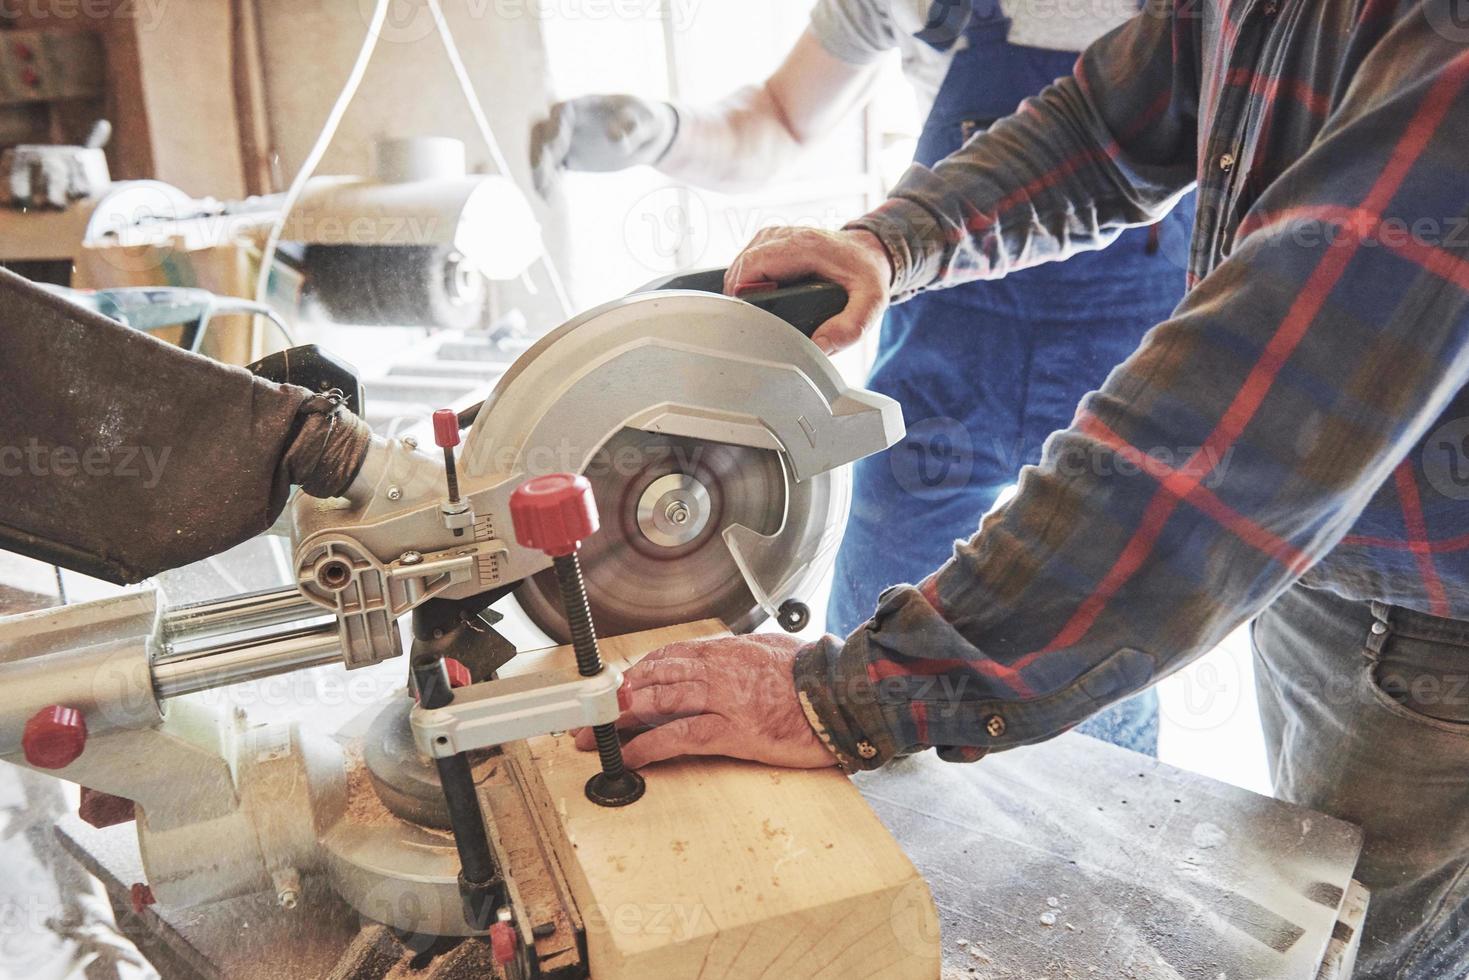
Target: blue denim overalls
[986, 371]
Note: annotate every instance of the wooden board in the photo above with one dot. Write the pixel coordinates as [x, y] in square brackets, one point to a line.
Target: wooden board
[732, 870]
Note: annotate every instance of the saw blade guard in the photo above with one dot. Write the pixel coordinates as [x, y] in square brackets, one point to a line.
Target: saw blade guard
[701, 368]
[772, 572]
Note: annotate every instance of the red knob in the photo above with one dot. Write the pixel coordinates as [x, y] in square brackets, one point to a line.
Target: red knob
[458, 675]
[141, 896]
[54, 737]
[503, 942]
[554, 513]
[446, 428]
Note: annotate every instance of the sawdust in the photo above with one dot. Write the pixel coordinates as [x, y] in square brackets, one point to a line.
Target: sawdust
[363, 805]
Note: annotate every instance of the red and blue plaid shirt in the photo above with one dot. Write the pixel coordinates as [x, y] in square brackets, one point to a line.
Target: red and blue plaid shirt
[1302, 416]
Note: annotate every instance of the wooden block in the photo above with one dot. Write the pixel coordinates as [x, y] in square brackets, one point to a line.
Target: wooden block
[732, 870]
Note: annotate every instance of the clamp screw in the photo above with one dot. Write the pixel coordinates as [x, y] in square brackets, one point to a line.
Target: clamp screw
[394, 493]
[410, 558]
[54, 737]
[555, 514]
[446, 437]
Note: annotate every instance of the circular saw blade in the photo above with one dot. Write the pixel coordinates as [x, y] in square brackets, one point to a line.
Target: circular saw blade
[638, 578]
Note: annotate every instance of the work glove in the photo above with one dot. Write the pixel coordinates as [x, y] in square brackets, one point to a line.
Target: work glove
[600, 133]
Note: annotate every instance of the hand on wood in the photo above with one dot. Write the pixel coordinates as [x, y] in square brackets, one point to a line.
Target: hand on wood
[732, 696]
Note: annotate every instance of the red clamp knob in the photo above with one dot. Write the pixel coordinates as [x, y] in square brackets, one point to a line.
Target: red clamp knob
[459, 675]
[446, 428]
[141, 897]
[54, 737]
[554, 513]
[503, 942]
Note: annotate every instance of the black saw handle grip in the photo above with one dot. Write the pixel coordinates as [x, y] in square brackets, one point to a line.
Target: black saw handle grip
[805, 305]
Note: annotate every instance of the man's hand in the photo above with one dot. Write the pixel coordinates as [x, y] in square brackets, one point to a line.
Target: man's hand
[854, 260]
[733, 696]
[600, 133]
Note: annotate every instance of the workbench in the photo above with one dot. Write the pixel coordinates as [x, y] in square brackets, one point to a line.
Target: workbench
[1071, 859]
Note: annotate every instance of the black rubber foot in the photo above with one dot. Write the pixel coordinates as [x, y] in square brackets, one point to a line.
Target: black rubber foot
[793, 615]
[604, 790]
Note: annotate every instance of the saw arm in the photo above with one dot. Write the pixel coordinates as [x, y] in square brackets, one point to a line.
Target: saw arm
[680, 369]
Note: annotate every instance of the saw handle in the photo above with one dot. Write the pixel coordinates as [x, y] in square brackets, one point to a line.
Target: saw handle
[804, 305]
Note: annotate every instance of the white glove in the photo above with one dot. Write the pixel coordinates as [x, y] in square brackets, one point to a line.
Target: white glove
[600, 133]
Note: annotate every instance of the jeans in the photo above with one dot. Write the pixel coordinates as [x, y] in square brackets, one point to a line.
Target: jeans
[1366, 716]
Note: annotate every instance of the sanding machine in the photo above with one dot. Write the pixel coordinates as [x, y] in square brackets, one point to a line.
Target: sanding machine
[671, 456]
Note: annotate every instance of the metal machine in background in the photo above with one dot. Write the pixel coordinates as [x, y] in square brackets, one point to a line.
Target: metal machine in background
[715, 438]
[415, 244]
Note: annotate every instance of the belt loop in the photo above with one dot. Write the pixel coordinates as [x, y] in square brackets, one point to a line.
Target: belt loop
[1381, 627]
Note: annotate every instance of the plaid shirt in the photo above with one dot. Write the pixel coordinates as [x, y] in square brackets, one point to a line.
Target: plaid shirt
[1302, 416]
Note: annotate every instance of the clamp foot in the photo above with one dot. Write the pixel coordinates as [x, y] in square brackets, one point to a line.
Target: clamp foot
[606, 789]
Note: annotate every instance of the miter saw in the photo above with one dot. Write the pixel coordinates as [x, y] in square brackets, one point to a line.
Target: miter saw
[713, 437]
